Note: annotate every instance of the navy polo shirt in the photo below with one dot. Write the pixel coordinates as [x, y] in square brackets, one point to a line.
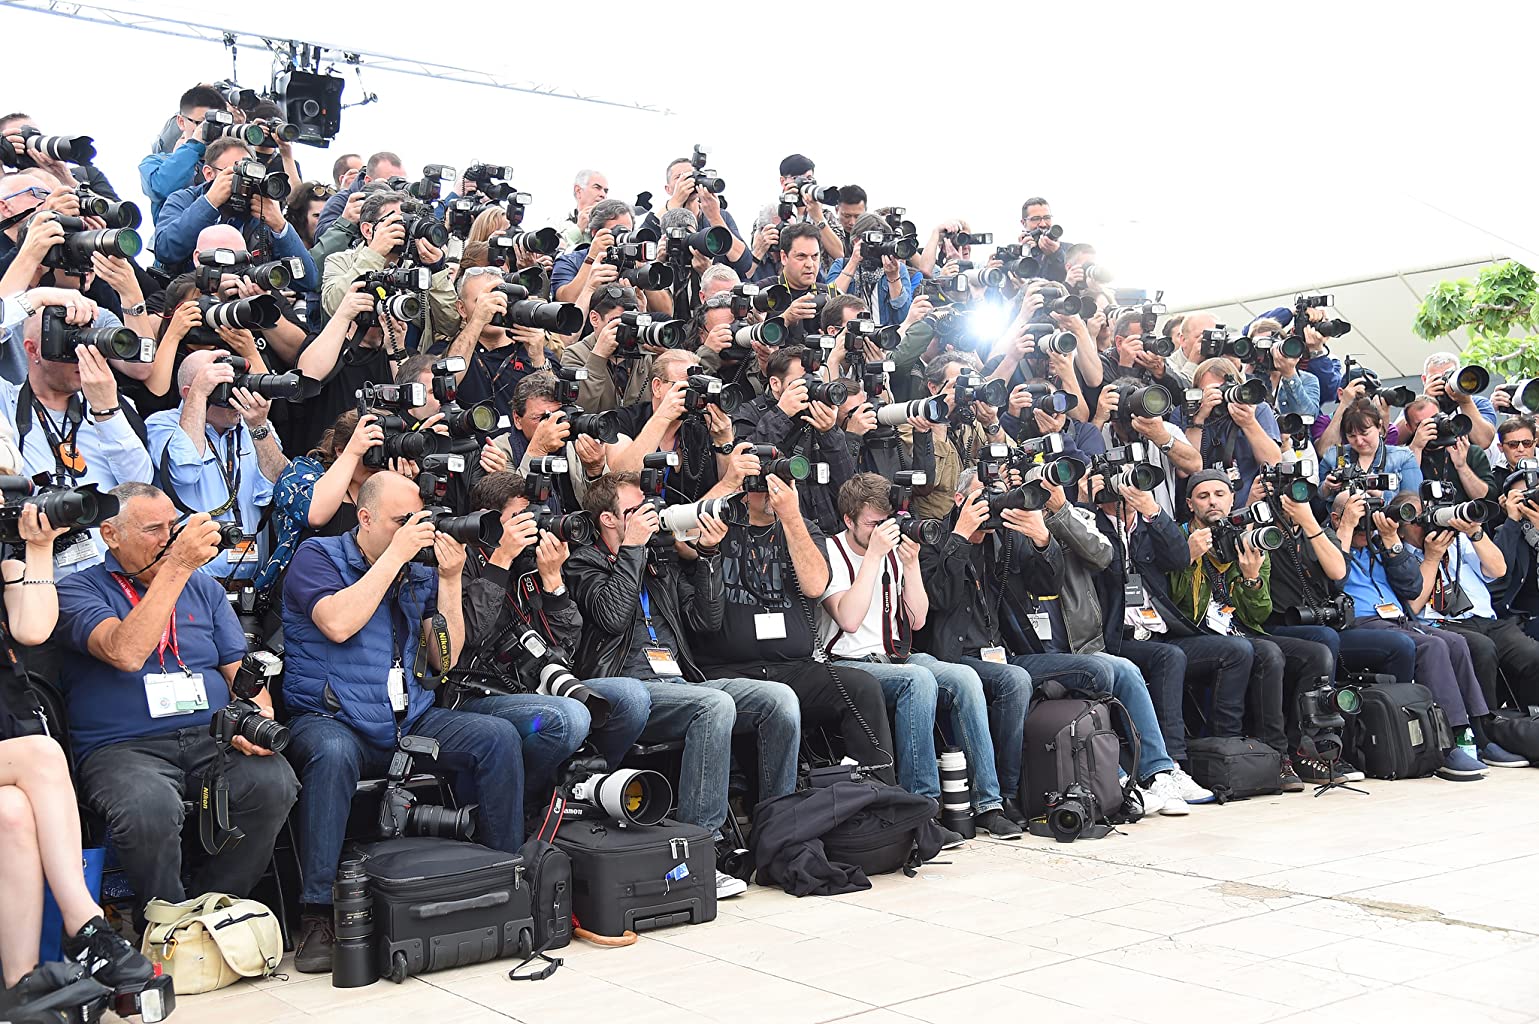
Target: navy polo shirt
[109, 706]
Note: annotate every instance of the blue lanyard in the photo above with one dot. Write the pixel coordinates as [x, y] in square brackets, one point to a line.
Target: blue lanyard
[646, 612]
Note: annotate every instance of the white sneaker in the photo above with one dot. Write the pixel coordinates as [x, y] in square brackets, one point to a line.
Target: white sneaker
[1154, 803]
[1190, 791]
[1172, 803]
[729, 885]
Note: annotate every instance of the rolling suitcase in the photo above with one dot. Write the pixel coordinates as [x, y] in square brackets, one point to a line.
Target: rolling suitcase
[641, 876]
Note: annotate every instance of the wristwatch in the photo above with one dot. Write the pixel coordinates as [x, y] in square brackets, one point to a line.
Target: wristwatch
[1169, 443]
[557, 592]
[258, 433]
[1399, 548]
[1478, 535]
[137, 309]
[20, 298]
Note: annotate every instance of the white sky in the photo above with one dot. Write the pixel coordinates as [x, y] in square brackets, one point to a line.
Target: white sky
[1212, 150]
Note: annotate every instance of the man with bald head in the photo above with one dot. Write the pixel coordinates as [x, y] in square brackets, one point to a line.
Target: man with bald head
[217, 453]
[356, 610]
[1188, 339]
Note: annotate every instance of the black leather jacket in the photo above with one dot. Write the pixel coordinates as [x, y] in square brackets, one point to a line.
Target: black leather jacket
[688, 596]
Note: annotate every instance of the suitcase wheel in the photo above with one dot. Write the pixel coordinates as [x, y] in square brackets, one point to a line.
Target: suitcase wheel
[398, 967]
[525, 942]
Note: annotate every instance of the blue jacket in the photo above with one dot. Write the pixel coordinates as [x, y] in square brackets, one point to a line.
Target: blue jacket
[161, 174]
[347, 681]
[187, 212]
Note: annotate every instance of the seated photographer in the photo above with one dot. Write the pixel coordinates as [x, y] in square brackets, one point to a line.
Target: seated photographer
[1365, 453]
[616, 377]
[221, 456]
[496, 358]
[509, 590]
[646, 603]
[187, 212]
[1459, 562]
[1444, 455]
[165, 172]
[970, 426]
[578, 271]
[774, 570]
[151, 650]
[1229, 433]
[357, 610]
[1435, 370]
[1516, 595]
[787, 417]
[1128, 358]
[382, 223]
[588, 189]
[68, 420]
[886, 287]
[1384, 579]
[674, 421]
[860, 630]
[1164, 442]
[1226, 590]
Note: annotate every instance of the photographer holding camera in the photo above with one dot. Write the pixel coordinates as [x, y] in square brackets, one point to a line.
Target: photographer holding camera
[801, 249]
[1516, 594]
[1128, 358]
[220, 455]
[1037, 230]
[187, 212]
[1295, 391]
[1458, 461]
[364, 624]
[769, 251]
[684, 193]
[163, 173]
[69, 421]
[541, 428]
[497, 357]
[1365, 454]
[1384, 579]
[799, 415]
[1164, 442]
[588, 268]
[383, 223]
[151, 649]
[674, 421]
[1239, 435]
[1435, 373]
[884, 282]
[613, 379]
[875, 598]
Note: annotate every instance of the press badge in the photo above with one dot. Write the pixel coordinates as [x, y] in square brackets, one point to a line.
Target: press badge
[174, 693]
[1388, 612]
[1041, 625]
[993, 655]
[1220, 617]
[770, 626]
[662, 661]
[396, 682]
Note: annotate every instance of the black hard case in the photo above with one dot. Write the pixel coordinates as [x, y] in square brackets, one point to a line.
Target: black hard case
[620, 875]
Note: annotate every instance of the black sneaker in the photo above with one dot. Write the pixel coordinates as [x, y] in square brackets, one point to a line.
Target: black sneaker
[316, 937]
[1312, 771]
[997, 824]
[109, 957]
[1013, 812]
[1291, 783]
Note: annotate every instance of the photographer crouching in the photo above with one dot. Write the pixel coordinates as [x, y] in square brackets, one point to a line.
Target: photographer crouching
[365, 621]
[152, 648]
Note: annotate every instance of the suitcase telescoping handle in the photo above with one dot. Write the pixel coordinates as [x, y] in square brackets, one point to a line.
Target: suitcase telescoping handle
[482, 902]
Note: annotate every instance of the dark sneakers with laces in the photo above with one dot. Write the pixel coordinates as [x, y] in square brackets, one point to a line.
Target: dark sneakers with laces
[1288, 778]
[1314, 771]
[316, 937]
[997, 824]
[110, 958]
[1013, 812]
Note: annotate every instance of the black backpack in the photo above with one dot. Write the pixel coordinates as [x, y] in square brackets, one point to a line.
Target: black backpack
[1399, 733]
[1071, 740]
[1235, 767]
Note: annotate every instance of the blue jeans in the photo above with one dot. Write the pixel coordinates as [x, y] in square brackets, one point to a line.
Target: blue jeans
[482, 755]
[1008, 689]
[629, 707]
[551, 729]
[1163, 667]
[1107, 673]
[913, 689]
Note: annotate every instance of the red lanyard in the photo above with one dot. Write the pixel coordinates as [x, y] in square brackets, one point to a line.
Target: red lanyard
[167, 635]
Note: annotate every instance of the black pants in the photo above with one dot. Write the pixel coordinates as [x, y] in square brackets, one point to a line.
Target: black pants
[844, 697]
[139, 785]
[1281, 666]
[1164, 669]
[1502, 643]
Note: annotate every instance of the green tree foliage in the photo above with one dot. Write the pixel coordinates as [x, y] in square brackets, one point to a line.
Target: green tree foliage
[1499, 312]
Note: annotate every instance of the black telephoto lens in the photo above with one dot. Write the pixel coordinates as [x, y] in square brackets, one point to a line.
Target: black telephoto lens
[265, 733]
[354, 962]
[574, 528]
[442, 822]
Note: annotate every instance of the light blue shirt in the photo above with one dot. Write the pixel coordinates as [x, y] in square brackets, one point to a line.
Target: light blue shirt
[228, 467]
[1368, 584]
[112, 452]
[1472, 579]
[1389, 459]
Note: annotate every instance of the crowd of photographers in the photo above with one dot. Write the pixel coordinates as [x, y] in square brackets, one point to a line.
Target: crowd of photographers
[529, 492]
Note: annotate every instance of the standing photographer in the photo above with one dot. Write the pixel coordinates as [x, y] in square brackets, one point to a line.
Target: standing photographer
[152, 646]
[219, 458]
[496, 358]
[1362, 423]
[663, 424]
[382, 223]
[1229, 433]
[613, 380]
[1458, 462]
[363, 624]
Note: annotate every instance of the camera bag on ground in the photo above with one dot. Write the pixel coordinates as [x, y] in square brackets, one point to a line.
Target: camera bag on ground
[1235, 767]
[1070, 740]
[212, 941]
[1515, 728]
[1400, 732]
[827, 840]
[639, 877]
[441, 903]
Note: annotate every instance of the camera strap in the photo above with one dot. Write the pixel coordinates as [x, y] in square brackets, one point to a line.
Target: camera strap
[214, 829]
[167, 632]
[67, 460]
[897, 639]
[426, 674]
[231, 481]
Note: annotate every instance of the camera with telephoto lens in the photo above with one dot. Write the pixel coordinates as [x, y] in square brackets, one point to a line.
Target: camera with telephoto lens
[58, 337]
[1450, 428]
[1266, 349]
[770, 333]
[547, 669]
[625, 796]
[494, 181]
[474, 422]
[1069, 815]
[1254, 526]
[1288, 480]
[895, 414]
[1329, 328]
[242, 716]
[571, 527]
[634, 255]
[422, 226]
[679, 522]
[355, 960]
[1398, 397]
[1462, 381]
[220, 124]
[257, 313]
[772, 463]
[1056, 300]
[1132, 466]
[874, 245]
[751, 298]
[961, 239]
[795, 195]
[79, 508]
[1051, 400]
[709, 241]
[601, 426]
[1221, 341]
[969, 387]
[251, 181]
[702, 389]
[829, 392]
[1063, 471]
[1241, 392]
[1150, 401]
[1338, 612]
[288, 387]
[1323, 708]
[73, 253]
[399, 812]
[556, 317]
[1158, 345]
[541, 242]
[1440, 509]
[1017, 262]
[114, 213]
[633, 330]
[70, 149]
[482, 529]
[1053, 231]
[1044, 339]
[430, 187]
[704, 178]
[920, 531]
[215, 264]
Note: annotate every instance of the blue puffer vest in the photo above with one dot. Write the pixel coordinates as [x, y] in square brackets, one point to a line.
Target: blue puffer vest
[348, 680]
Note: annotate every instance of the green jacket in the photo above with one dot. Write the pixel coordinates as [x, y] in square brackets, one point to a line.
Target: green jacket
[1190, 591]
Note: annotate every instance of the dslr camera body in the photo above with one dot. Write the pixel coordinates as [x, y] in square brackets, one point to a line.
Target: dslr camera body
[242, 716]
[399, 812]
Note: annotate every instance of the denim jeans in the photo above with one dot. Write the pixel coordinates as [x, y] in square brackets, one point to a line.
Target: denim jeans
[1163, 667]
[1225, 662]
[482, 755]
[629, 707]
[138, 785]
[1008, 689]
[1108, 673]
[976, 703]
[551, 729]
[913, 690]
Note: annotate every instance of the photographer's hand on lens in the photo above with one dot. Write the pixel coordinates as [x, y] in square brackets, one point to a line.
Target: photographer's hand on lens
[1156, 430]
[196, 544]
[243, 288]
[1459, 452]
[245, 746]
[436, 424]
[591, 452]
[551, 435]
[1027, 523]
[908, 555]
[428, 254]
[1242, 414]
[985, 414]
[719, 424]
[119, 277]
[451, 556]
[518, 535]
[493, 459]
[549, 557]
[783, 498]
[972, 515]
[353, 211]
[804, 308]
[1199, 543]
[270, 211]
[97, 382]
[920, 425]
[793, 398]
[43, 233]
[1436, 544]
[1250, 558]
[1141, 502]
[712, 532]
[240, 341]
[640, 525]
[253, 408]
[410, 539]
[219, 190]
[1465, 527]
[1389, 530]
[35, 529]
[1300, 514]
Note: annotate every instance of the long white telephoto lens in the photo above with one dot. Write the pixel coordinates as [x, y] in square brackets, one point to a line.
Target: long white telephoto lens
[895, 414]
[634, 795]
[684, 520]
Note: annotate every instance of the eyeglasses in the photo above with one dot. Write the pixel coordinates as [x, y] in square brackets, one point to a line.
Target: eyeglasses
[478, 271]
[36, 190]
[319, 191]
[1518, 443]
